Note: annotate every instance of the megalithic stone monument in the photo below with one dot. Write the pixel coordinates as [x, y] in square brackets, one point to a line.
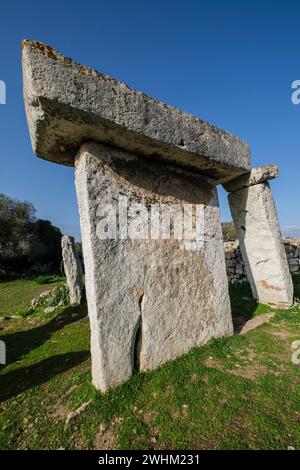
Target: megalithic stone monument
[254, 214]
[72, 268]
[146, 176]
[149, 299]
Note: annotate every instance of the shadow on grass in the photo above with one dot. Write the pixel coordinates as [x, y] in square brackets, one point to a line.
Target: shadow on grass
[296, 282]
[21, 343]
[244, 306]
[17, 381]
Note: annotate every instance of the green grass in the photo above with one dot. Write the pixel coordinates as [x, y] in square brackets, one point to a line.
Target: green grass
[17, 294]
[43, 279]
[240, 392]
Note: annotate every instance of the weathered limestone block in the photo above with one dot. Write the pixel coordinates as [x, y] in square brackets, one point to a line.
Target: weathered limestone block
[261, 244]
[149, 299]
[257, 175]
[234, 259]
[67, 104]
[73, 270]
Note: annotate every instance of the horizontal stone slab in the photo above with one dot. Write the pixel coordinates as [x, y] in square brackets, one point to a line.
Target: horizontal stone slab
[261, 174]
[68, 104]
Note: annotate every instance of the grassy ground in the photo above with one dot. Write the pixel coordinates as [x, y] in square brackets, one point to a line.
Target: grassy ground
[17, 294]
[240, 392]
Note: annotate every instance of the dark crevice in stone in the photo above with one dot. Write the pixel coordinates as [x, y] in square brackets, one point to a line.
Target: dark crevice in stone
[137, 344]
[137, 347]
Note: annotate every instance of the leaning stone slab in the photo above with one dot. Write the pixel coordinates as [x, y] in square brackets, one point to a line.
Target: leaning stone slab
[150, 298]
[254, 214]
[67, 104]
[256, 321]
[257, 175]
[73, 270]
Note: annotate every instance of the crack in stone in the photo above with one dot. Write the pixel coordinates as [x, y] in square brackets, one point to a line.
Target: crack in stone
[138, 334]
[262, 261]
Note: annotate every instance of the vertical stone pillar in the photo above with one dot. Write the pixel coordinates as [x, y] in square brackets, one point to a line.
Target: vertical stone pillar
[254, 214]
[73, 270]
[150, 298]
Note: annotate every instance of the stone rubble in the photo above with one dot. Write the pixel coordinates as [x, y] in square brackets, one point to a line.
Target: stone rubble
[235, 266]
[48, 300]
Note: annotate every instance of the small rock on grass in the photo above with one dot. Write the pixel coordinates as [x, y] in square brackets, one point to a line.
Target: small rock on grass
[50, 309]
[74, 414]
[185, 409]
[256, 321]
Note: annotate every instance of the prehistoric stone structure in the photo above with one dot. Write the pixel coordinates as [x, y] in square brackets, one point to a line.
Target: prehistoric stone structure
[154, 290]
[73, 270]
[254, 214]
[257, 175]
[149, 299]
[235, 266]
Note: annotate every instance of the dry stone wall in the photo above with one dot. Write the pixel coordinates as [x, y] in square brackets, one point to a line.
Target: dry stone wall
[235, 265]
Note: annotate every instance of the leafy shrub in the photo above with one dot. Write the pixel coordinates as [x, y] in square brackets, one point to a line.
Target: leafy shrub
[229, 232]
[59, 294]
[52, 298]
[57, 297]
[25, 311]
[24, 239]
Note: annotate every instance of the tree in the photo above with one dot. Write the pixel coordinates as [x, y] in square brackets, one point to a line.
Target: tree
[50, 237]
[23, 239]
[229, 232]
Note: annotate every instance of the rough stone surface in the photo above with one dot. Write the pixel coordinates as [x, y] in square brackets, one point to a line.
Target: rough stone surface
[78, 412]
[50, 309]
[73, 270]
[67, 104]
[148, 300]
[261, 244]
[292, 248]
[255, 176]
[235, 266]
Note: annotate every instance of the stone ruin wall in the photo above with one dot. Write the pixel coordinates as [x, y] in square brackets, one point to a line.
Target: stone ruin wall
[235, 265]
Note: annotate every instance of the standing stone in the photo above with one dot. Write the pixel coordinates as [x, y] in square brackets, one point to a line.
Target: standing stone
[73, 270]
[149, 300]
[254, 214]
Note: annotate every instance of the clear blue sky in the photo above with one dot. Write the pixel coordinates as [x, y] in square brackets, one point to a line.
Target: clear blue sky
[229, 62]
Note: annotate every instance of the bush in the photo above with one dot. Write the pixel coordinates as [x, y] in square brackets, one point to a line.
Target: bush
[229, 232]
[24, 240]
[51, 298]
[57, 295]
[25, 311]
